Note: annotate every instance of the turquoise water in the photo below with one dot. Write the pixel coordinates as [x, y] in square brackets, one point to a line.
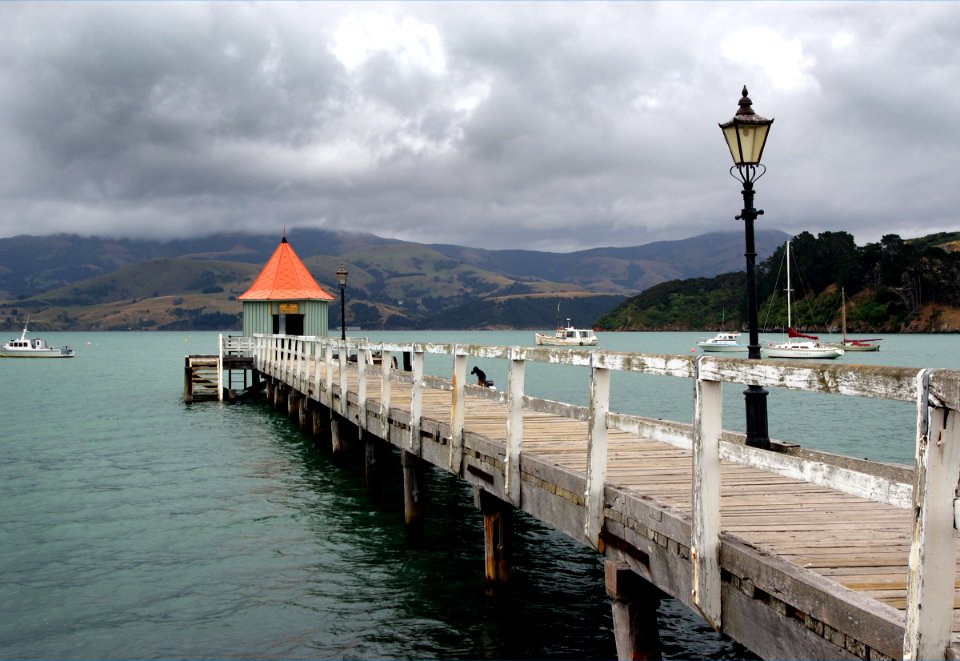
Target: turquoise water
[134, 526]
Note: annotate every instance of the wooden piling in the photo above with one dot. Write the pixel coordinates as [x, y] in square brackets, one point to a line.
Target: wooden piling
[280, 397]
[321, 426]
[497, 533]
[412, 496]
[338, 444]
[370, 461]
[634, 602]
[303, 414]
[293, 403]
[187, 381]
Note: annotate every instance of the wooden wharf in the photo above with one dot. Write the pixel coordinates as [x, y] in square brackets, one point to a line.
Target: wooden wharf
[793, 553]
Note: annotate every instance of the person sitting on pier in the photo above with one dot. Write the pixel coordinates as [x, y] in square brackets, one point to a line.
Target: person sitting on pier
[481, 377]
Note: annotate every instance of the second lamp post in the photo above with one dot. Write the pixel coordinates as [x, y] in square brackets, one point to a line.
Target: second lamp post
[342, 281]
[746, 134]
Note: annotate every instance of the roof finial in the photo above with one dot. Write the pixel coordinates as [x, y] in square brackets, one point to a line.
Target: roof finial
[284, 239]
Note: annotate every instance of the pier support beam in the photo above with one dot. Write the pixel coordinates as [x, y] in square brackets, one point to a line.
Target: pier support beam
[497, 534]
[635, 602]
[412, 496]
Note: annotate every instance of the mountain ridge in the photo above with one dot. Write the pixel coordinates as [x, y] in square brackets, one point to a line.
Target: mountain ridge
[61, 279]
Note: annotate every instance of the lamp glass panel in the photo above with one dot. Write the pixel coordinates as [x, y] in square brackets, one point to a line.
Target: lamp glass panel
[752, 137]
[730, 133]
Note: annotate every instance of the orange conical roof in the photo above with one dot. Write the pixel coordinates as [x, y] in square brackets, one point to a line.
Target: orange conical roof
[284, 278]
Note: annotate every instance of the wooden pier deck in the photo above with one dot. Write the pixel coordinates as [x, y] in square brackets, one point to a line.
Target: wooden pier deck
[791, 552]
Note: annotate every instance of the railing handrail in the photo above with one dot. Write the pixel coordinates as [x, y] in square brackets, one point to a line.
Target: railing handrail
[872, 381]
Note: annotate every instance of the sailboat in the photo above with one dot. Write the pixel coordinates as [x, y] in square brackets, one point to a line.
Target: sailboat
[799, 345]
[849, 344]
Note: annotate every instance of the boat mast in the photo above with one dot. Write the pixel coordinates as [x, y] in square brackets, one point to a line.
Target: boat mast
[788, 290]
[843, 314]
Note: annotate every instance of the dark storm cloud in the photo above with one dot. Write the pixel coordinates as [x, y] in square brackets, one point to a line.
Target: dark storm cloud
[543, 125]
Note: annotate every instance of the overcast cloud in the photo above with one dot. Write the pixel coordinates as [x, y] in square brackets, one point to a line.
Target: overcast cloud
[544, 125]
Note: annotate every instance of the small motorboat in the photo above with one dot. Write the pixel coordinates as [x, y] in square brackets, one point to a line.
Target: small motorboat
[723, 341]
[33, 348]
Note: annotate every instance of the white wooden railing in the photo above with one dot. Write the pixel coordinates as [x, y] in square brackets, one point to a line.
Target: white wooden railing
[932, 494]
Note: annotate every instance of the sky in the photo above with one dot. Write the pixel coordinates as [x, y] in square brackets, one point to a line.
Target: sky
[553, 126]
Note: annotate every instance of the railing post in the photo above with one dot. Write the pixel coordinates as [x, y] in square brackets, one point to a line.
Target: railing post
[220, 367]
[343, 376]
[303, 379]
[456, 410]
[932, 568]
[328, 379]
[317, 372]
[416, 401]
[309, 365]
[386, 382]
[298, 356]
[512, 477]
[363, 354]
[705, 534]
[596, 453]
[278, 356]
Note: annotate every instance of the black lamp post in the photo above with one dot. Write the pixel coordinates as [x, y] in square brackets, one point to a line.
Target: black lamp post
[746, 134]
[342, 281]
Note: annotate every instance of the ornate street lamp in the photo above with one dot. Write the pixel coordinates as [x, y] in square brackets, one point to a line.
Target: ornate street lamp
[746, 135]
[342, 281]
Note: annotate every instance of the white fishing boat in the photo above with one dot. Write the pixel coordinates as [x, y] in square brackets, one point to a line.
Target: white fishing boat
[23, 347]
[724, 341]
[568, 336]
[798, 345]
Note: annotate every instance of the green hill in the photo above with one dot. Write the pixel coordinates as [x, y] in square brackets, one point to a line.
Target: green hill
[892, 286]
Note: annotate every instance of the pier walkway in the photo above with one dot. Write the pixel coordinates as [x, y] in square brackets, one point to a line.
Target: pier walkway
[794, 553]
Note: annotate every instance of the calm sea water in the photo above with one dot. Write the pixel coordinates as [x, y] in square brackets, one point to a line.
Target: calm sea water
[134, 526]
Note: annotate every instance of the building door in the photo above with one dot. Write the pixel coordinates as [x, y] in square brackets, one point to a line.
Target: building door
[294, 324]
